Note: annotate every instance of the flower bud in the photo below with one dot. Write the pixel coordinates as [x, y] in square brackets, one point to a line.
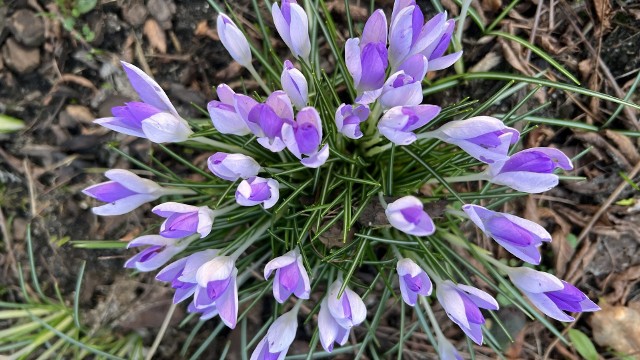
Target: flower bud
[399, 123]
[407, 215]
[293, 26]
[184, 220]
[295, 85]
[234, 40]
[291, 276]
[232, 167]
[223, 114]
[160, 250]
[256, 190]
[413, 281]
[349, 117]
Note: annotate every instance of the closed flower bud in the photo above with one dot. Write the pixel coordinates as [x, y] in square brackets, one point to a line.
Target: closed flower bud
[232, 167]
[234, 40]
[279, 338]
[158, 252]
[256, 190]
[295, 85]
[407, 215]
[291, 276]
[338, 315]
[293, 26]
[184, 220]
[399, 123]
[223, 113]
[349, 117]
[303, 137]
[217, 290]
[413, 281]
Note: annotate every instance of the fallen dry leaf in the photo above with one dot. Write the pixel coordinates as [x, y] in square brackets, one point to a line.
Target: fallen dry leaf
[203, 29]
[617, 327]
[156, 35]
[603, 11]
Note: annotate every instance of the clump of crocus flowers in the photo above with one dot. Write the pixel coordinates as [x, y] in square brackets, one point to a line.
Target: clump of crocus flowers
[282, 157]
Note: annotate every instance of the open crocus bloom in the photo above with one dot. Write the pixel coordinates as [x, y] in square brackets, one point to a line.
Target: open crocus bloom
[483, 137]
[366, 58]
[154, 118]
[217, 290]
[295, 85]
[181, 274]
[279, 338]
[407, 215]
[184, 220]
[519, 236]
[291, 276]
[399, 123]
[338, 315]
[549, 294]
[530, 170]
[159, 250]
[266, 120]
[233, 40]
[256, 190]
[413, 281]
[349, 117]
[293, 26]
[404, 88]
[303, 137]
[232, 167]
[125, 192]
[223, 114]
[462, 303]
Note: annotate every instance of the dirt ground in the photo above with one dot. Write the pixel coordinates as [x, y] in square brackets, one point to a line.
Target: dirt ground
[58, 77]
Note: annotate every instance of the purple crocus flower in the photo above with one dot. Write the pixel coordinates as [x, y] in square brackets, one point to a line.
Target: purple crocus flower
[266, 120]
[181, 274]
[234, 40]
[303, 137]
[293, 26]
[159, 250]
[223, 114]
[217, 290]
[232, 167]
[549, 294]
[483, 137]
[338, 315]
[125, 192]
[184, 220]
[295, 85]
[154, 118]
[530, 170]
[462, 303]
[413, 281]
[349, 117]
[434, 52]
[291, 276]
[519, 236]
[366, 58]
[404, 88]
[407, 215]
[256, 190]
[279, 338]
[399, 123]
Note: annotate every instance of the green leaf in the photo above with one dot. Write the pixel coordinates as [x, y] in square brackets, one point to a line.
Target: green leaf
[10, 124]
[572, 240]
[583, 344]
[84, 6]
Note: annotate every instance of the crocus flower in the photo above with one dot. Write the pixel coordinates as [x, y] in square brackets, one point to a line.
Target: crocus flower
[125, 192]
[160, 250]
[234, 40]
[338, 315]
[279, 338]
[407, 215]
[366, 58]
[223, 114]
[404, 88]
[181, 274]
[462, 303]
[217, 287]
[519, 236]
[232, 167]
[446, 351]
[349, 117]
[413, 281]
[399, 123]
[530, 170]
[184, 220]
[256, 190]
[295, 85]
[293, 26]
[291, 276]
[434, 52]
[483, 137]
[266, 120]
[303, 137]
[154, 118]
[549, 294]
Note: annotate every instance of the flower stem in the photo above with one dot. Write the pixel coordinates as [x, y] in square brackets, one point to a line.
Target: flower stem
[432, 317]
[257, 77]
[247, 243]
[383, 202]
[396, 252]
[373, 118]
[378, 149]
[462, 178]
[221, 145]
[177, 191]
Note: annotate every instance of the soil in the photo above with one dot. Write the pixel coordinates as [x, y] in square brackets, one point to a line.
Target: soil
[59, 79]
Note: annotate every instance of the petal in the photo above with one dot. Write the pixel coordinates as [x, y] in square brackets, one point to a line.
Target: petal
[148, 90]
[451, 302]
[547, 306]
[132, 181]
[400, 36]
[407, 266]
[479, 297]
[299, 32]
[327, 326]
[194, 261]
[166, 128]
[151, 240]
[529, 254]
[533, 281]
[526, 181]
[234, 40]
[227, 303]
[282, 26]
[304, 286]
[407, 95]
[262, 348]
[353, 60]
[169, 208]
[558, 157]
[274, 188]
[171, 271]
[282, 332]
[205, 220]
[318, 159]
[280, 103]
[123, 206]
[444, 62]
[415, 66]
[295, 85]
[375, 29]
[116, 124]
[279, 262]
[226, 120]
[220, 268]
[410, 297]
[243, 105]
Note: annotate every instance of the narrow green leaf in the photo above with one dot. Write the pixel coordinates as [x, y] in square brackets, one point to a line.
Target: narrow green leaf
[10, 124]
[583, 344]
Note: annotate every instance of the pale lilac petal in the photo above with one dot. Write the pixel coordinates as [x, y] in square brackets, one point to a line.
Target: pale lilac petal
[444, 62]
[451, 302]
[165, 128]
[400, 36]
[559, 158]
[529, 254]
[398, 6]
[409, 297]
[148, 90]
[282, 332]
[116, 124]
[368, 97]
[406, 95]
[234, 40]
[171, 271]
[299, 32]
[226, 120]
[150, 240]
[132, 181]
[243, 105]
[274, 145]
[194, 262]
[547, 306]
[123, 206]
[353, 59]
[318, 159]
[259, 353]
[280, 103]
[282, 26]
[227, 303]
[479, 297]
[279, 262]
[533, 281]
[232, 167]
[375, 29]
[274, 188]
[526, 181]
[169, 208]
[220, 268]
[304, 286]
[205, 220]
[415, 66]
[328, 327]
[295, 85]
